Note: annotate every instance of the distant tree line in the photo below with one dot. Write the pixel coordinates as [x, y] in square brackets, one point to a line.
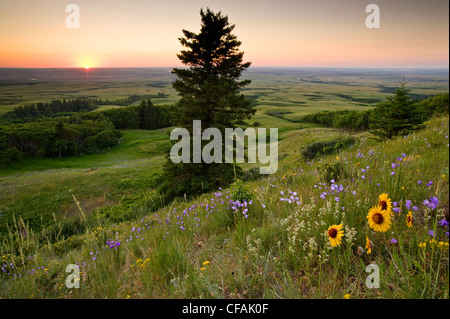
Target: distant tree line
[398, 114]
[56, 137]
[345, 120]
[31, 136]
[56, 108]
[435, 105]
[145, 116]
[30, 112]
[129, 100]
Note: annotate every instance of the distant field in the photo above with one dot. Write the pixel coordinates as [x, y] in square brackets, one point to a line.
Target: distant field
[297, 91]
[21, 86]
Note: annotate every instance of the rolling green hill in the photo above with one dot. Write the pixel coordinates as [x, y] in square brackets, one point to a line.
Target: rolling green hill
[273, 243]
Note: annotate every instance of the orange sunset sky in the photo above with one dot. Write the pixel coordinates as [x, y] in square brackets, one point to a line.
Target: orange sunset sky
[300, 33]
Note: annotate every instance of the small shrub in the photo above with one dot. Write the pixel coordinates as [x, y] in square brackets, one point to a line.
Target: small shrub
[316, 149]
[251, 175]
[141, 183]
[73, 242]
[240, 191]
[64, 229]
[10, 156]
[328, 171]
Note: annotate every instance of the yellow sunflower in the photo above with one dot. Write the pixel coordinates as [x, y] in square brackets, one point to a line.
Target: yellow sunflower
[368, 245]
[379, 219]
[385, 202]
[335, 235]
[409, 219]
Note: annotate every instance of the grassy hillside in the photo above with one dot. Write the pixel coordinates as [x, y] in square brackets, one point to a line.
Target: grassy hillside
[42, 190]
[261, 239]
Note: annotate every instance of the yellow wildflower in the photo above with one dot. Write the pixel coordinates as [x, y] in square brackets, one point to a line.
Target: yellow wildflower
[335, 235]
[379, 219]
[368, 245]
[409, 219]
[385, 202]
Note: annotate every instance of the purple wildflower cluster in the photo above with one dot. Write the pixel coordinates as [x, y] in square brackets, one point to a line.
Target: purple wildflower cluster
[432, 203]
[398, 162]
[333, 190]
[94, 256]
[293, 198]
[444, 224]
[113, 244]
[396, 208]
[136, 232]
[237, 206]
[408, 204]
[364, 171]
[196, 212]
[11, 270]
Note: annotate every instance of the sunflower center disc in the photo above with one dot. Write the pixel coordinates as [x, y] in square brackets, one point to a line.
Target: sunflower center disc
[382, 204]
[378, 218]
[332, 233]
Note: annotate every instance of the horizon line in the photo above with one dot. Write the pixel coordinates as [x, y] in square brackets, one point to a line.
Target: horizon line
[260, 66]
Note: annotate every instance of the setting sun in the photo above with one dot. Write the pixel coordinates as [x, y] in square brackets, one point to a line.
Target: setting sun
[87, 67]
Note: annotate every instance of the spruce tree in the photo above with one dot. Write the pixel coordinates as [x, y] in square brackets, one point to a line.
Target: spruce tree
[398, 115]
[147, 117]
[210, 91]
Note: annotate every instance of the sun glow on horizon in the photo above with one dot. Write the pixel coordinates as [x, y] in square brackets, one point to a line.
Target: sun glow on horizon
[86, 61]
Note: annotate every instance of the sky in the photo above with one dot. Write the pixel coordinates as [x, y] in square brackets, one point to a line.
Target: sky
[281, 33]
